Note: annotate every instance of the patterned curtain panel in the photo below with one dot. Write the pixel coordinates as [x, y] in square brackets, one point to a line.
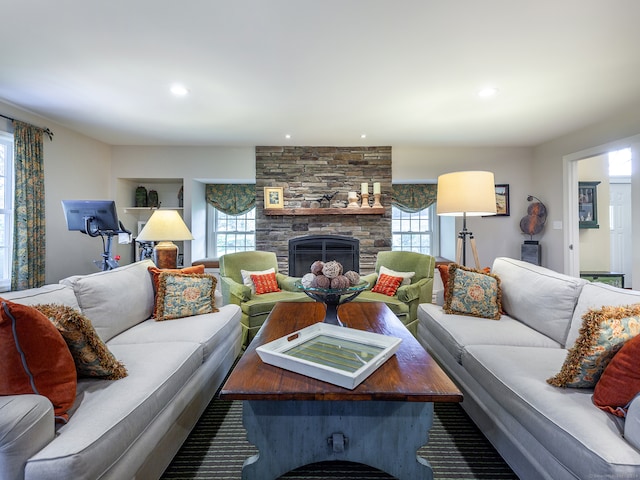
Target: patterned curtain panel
[29, 222]
[414, 197]
[232, 198]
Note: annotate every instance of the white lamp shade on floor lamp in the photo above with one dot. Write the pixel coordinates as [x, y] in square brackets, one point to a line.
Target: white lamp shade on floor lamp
[462, 194]
[165, 227]
[471, 193]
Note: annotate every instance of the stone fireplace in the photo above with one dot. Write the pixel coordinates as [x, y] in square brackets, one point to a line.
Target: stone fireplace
[306, 175]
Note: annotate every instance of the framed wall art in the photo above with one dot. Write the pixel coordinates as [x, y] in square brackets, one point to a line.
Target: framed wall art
[273, 197]
[502, 200]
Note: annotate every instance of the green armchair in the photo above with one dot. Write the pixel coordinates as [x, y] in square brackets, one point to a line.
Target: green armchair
[407, 298]
[255, 308]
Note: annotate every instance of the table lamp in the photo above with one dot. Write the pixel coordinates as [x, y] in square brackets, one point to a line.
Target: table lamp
[463, 194]
[164, 227]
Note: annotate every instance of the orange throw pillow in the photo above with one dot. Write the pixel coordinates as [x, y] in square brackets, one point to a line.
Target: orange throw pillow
[266, 283]
[155, 273]
[620, 381]
[387, 285]
[34, 358]
[444, 275]
[155, 277]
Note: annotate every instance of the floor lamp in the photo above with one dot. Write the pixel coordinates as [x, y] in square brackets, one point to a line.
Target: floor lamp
[164, 227]
[466, 194]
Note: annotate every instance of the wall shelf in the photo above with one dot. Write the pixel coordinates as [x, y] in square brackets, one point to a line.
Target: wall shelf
[150, 209]
[323, 211]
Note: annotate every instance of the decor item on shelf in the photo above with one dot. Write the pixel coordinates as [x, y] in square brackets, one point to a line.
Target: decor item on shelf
[273, 197]
[141, 197]
[376, 195]
[462, 194]
[154, 201]
[328, 197]
[352, 197]
[364, 193]
[532, 224]
[181, 197]
[164, 227]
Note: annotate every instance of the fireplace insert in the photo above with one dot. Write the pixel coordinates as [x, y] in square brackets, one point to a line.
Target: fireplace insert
[303, 251]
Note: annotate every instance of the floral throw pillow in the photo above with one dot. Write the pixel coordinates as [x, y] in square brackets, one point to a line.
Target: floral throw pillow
[387, 285]
[184, 295]
[91, 356]
[472, 292]
[266, 283]
[603, 333]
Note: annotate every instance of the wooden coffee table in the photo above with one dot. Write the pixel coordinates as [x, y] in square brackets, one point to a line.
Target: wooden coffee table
[295, 420]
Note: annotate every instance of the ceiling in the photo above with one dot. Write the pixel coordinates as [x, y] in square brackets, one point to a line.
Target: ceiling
[403, 72]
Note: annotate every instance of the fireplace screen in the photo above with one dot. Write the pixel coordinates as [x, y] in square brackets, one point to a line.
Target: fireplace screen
[303, 251]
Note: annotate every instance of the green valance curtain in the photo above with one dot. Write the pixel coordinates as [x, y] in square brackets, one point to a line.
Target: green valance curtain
[29, 220]
[413, 197]
[232, 198]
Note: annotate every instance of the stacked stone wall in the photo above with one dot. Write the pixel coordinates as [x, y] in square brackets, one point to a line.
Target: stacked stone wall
[306, 175]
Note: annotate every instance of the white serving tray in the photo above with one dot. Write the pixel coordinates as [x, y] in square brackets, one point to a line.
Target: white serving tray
[339, 355]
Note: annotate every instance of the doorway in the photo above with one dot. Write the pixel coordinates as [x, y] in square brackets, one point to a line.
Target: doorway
[615, 197]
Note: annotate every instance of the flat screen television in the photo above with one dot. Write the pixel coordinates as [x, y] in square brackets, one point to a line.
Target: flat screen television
[101, 215]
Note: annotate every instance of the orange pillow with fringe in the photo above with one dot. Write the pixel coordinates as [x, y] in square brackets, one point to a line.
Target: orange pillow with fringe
[266, 283]
[387, 285]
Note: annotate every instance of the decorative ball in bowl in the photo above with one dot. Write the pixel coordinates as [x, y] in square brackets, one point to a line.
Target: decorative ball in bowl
[326, 283]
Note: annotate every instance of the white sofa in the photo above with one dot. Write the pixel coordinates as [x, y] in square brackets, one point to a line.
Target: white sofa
[542, 431]
[127, 428]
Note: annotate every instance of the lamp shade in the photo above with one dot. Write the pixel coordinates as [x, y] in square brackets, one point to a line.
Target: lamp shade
[472, 193]
[164, 225]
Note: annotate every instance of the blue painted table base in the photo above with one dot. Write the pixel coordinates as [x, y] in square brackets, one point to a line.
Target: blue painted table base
[383, 434]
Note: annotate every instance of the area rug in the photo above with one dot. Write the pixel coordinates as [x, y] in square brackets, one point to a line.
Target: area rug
[217, 448]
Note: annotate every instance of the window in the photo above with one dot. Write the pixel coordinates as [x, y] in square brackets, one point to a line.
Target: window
[230, 233]
[415, 232]
[6, 209]
[620, 163]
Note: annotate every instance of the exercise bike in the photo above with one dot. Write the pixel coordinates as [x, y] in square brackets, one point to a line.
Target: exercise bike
[108, 262]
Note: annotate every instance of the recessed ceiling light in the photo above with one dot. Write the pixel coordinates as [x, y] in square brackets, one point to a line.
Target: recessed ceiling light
[179, 90]
[287, 136]
[364, 135]
[487, 92]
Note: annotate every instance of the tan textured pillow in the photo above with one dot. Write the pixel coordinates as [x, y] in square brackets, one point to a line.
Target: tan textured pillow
[184, 295]
[604, 331]
[90, 355]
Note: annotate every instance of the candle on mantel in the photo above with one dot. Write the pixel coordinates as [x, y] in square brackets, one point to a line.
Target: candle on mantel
[376, 188]
[364, 188]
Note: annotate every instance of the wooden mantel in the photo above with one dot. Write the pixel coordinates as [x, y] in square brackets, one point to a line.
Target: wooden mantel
[324, 211]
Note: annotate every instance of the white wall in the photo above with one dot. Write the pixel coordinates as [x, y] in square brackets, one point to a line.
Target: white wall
[548, 176]
[75, 167]
[495, 236]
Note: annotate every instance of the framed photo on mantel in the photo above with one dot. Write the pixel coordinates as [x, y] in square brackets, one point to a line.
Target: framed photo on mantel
[273, 197]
